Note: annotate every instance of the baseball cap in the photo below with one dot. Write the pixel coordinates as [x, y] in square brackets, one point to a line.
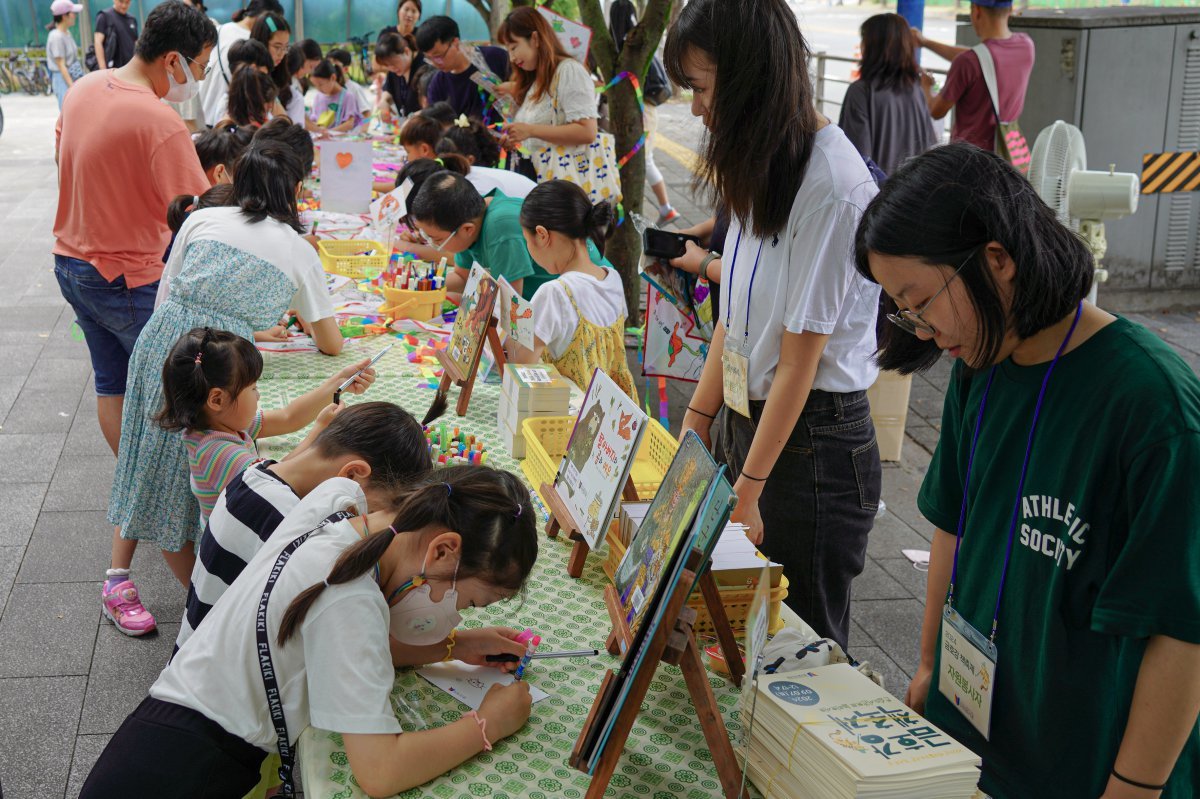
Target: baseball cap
[60, 7]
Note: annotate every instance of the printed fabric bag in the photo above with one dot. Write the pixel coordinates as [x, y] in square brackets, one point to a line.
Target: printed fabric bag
[592, 167]
[1010, 141]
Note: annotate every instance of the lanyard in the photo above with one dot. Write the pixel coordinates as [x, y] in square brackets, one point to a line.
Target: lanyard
[749, 293]
[267, 666]
[419, 580]
[1012, 527]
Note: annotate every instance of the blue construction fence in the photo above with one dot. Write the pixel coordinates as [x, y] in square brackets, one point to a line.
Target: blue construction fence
[23, 22]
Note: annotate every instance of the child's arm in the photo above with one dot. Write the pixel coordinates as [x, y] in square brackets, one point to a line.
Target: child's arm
[300, 412]
[322, 421]
[349, 124]
[388, 764]
[325, 334]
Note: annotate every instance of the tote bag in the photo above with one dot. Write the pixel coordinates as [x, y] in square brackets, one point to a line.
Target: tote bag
[1010, 142]
[592, 167]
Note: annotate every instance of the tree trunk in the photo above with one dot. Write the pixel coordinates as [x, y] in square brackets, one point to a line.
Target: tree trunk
[500, 10]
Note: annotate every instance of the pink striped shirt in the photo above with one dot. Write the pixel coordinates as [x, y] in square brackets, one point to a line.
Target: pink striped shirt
[216, 458]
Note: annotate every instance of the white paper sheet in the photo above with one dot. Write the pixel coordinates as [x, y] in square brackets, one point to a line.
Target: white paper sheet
[469, 684]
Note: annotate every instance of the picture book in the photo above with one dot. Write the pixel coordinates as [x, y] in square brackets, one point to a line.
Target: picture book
[670, 516]
[575, 37]
[516, 315]
[673, 347]
[692, 295]
[470, 325]
[599, 454]
[386, 213]
[757, 622]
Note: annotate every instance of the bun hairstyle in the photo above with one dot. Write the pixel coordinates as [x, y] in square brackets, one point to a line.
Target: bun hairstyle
[223, 144]
[474, 141]
[256, 8]
[442, 111]
[201, 360]
[265, 180]
[488, 508]
[328, 68]
[565, 208]
[183, 205]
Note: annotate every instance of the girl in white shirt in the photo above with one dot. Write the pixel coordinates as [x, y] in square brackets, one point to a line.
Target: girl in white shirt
[313, 620]
[791, 358]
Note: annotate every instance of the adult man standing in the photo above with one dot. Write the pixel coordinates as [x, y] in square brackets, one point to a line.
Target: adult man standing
[965, 89]
[116, 33]
[437, 39]
[116, 138]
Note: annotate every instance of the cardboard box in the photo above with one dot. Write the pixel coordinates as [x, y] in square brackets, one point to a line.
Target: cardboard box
[889, 412]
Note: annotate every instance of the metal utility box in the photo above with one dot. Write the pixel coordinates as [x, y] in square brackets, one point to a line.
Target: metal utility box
[1129, 78]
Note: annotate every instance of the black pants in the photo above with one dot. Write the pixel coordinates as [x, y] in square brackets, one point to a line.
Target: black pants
[166, 750]
[819, 502]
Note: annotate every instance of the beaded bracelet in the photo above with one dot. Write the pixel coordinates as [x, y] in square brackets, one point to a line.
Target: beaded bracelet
[487, 745]
[450, 646]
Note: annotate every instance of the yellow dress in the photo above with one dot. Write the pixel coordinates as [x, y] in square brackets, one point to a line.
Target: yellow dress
[593, 347]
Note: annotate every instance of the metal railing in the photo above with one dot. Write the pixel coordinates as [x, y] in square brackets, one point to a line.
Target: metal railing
[817, 65]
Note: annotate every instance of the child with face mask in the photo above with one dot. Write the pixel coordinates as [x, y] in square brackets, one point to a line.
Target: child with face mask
[312, 619]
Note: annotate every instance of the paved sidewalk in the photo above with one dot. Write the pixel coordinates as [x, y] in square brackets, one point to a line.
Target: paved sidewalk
[67, 678]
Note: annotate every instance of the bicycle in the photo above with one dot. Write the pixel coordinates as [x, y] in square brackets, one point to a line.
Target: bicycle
[37, 72]
[8, 79]
[360, 67]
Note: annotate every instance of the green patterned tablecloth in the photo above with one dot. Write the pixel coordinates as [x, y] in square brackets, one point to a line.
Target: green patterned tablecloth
[666, 756]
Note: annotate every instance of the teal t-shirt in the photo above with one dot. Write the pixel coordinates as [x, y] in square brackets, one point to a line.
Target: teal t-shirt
[501, 249]
[1106, 552]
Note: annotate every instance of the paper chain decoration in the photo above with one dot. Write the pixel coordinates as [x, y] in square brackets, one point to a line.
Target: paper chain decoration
[637, 88]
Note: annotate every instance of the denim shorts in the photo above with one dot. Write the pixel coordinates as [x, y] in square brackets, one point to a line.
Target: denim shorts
[110, 315]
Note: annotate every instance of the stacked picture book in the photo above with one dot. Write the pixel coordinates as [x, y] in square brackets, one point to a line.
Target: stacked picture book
[831, 732]
[528, 390]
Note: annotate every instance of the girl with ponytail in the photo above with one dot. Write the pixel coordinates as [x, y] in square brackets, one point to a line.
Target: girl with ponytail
[578, 319]
[320, 617]
[238, 267]
[335, 108]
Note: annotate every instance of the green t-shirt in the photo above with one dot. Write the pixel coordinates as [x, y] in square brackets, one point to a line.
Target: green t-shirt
[1106, 552]
[501, 249]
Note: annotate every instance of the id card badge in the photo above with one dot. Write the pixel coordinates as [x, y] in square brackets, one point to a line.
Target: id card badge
[735, 375]
[967, 676]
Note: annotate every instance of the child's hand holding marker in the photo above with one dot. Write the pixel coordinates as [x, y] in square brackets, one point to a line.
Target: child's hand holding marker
[355, 379]
[490, 646]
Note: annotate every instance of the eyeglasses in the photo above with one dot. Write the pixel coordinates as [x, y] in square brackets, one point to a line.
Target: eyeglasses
[435, 245]
[911, 321]
[207, 67]
[437, 58]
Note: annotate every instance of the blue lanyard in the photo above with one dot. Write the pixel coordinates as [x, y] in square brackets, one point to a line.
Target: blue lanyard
[749, 294]
[1012, 527]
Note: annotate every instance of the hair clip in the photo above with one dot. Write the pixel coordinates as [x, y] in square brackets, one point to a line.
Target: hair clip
[271, 25]
[462, 121]
[199, 355]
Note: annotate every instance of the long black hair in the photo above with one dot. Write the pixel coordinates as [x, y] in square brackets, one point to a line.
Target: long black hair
[943, 207]
[251, 96]
[292, 136]
[298, 54]
[201, 360]
[264, 28]
[264, 183]
[488, 508]
[888, 60]
[474, 141]
[564, 207]
[763, 117]
[256, 8]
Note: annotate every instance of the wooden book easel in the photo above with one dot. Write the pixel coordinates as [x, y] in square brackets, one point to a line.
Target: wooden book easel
[674, 642]
[561, 518]
[452, 375]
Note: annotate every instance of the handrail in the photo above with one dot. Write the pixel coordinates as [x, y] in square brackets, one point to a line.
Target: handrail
[821, 79]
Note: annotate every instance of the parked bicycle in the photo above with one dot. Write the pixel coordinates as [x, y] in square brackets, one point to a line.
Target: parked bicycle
[25, 72]
[360, 67]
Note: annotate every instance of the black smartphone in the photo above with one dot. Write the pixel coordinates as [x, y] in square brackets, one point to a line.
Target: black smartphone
[664, 243]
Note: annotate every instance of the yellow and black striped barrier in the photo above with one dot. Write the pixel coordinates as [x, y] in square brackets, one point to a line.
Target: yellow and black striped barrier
[1163, 173]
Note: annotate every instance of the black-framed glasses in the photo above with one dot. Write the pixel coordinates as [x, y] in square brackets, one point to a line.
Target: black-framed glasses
[911, 321]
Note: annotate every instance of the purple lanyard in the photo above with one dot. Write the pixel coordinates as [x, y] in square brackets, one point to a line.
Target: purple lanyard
[750, 293]
[1012, 527]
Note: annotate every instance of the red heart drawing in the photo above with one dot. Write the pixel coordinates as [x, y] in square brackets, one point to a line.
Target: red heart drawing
[575, 41]
[345, 159]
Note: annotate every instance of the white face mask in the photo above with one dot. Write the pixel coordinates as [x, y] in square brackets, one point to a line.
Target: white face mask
[181, 92]
[417, 620]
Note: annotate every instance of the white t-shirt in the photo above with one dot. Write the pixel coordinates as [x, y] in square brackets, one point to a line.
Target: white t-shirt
[214, 90]
[602, 302]
[574, 94]
[510, 184]
[336, 673]
[295, 106]
[270, 240]
[806, 280]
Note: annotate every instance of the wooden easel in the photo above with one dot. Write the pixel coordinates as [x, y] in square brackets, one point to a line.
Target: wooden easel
[451, 374]
[674, 642]
[561, 518]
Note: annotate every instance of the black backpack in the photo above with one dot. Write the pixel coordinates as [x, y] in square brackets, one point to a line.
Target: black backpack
[658, 89]
[89, 57]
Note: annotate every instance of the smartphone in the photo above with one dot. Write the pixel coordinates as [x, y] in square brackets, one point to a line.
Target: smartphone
[665, 244]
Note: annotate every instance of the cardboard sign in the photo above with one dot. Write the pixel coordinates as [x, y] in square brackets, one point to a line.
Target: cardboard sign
[575, 37]
[346, 176]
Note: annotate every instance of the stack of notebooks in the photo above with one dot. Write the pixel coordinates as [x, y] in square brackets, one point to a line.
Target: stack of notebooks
[830, 733]
[735, 561]
[529, 390]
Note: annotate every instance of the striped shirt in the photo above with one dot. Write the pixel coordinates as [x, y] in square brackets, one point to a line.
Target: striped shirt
[216, 458]
[245, 515]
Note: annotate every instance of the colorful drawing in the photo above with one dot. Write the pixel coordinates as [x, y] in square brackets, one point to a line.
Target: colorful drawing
[599, 455]
[470, 325]
[575, 37]
[516, 315]
[673, 348]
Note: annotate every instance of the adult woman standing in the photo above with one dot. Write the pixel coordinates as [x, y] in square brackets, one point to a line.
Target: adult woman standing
[399, 62]
[215, 88]
[408, 14]
[884, 112]
[554, 92]
[62, 54]
[790, 360]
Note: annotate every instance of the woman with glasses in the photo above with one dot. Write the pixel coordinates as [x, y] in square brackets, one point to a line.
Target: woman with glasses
[1065, 564]
[214, 90]
[785, 381]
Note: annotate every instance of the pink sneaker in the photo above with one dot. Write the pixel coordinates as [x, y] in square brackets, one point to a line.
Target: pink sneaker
[123, 608]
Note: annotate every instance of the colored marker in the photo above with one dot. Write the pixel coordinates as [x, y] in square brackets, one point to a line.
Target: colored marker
[529, 647]
[337, 395]
[578, 653]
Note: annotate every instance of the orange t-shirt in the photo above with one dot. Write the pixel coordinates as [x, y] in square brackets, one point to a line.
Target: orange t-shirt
[123, 155]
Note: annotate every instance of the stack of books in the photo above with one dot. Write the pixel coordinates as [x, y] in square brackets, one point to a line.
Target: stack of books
[529, 390]
[831, 733]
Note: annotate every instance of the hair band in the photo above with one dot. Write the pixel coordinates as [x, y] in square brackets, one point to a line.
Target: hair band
[271, 25]
[439, 162]
[325, 582]
[520, 508]
[462, 121]
[448, 489]
[393, 529]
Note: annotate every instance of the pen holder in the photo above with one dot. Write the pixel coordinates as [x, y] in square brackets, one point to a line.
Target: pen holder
[419, 305]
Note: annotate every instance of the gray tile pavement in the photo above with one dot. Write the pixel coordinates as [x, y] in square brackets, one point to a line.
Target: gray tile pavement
[67, 678]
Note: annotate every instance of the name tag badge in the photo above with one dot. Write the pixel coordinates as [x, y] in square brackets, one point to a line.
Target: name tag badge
[967, 676]
[735, 369]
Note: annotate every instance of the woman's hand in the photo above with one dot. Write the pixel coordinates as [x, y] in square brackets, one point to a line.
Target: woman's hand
[918, 689]
[505, 708]
[517, 132]
[508, 88]
[276, 333]
[746, 511]
[693, 256]
[361, 383]
[700, 424]
[473, 646]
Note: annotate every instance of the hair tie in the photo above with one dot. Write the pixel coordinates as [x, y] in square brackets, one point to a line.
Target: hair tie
[271, 25]
[393, 529]
[448, 489]
[439, 162]
[520, 508]
[199, 355]
[325, 582]
[462, 121]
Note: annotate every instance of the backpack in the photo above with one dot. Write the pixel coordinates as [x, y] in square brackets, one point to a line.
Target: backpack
[1010, 142]
[658, 89]
[89, 57]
